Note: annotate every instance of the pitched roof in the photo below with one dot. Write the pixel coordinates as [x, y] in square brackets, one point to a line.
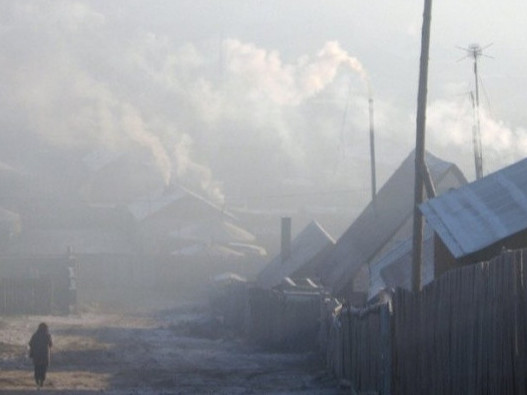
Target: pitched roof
[152, 205]
[143, 208]
[214, 231]
[380, 220]
[209, 250]
[304, 247]
[482, 213]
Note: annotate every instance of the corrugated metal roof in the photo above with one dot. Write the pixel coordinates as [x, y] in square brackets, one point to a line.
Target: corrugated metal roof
[482, 213]
[377, 223]
[303, 248]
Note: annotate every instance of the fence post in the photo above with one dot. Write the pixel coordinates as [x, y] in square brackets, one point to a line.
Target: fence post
[386, 349]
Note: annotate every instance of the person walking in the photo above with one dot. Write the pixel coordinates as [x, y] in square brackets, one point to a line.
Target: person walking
[39, 350]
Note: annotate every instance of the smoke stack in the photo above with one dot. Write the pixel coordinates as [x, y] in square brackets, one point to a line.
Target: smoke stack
[286, 239]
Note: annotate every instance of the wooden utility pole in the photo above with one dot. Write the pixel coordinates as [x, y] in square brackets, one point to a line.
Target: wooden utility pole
[420, 148]
[372, 151]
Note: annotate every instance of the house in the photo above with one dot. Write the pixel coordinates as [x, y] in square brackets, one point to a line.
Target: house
[186, 239]
[178, 221]
[475, 222]
[394, 269]
[120, 178]
[101, 240]
[295, 255]
[382, 225]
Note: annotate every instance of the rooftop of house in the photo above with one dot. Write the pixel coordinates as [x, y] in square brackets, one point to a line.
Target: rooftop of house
[482, 213]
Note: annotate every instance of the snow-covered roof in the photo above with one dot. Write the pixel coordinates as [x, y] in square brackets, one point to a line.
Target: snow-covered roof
[381, 219]
[304, 247]
[202, 249]
[247, 248]
[216, 231]
[159, 200]
[229, 277]
[482, 213]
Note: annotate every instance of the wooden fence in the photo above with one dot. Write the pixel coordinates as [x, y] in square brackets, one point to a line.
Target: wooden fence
[28, 296]
[465, 333]
[35, 285]
[359, 347]
[285, 320]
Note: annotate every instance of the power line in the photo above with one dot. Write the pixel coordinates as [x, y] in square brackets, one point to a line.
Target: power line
[299, 194]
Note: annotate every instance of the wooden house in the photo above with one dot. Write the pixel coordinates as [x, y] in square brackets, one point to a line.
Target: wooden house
[477, 221]
[382, 225]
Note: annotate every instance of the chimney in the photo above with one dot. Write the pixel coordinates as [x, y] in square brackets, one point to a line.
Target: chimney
[285, 251]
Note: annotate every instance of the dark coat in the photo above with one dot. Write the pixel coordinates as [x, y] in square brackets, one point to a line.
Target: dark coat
[39, 347]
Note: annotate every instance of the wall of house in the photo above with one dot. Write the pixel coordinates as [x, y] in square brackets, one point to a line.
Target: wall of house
[443, 259]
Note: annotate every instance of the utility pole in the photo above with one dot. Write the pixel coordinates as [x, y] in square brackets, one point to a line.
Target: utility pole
[420, 148]
[372, 152]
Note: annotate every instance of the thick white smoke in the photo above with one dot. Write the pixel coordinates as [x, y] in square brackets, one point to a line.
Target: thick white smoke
[228, 118]
[287, 84]
[450, 131]
[247, 119]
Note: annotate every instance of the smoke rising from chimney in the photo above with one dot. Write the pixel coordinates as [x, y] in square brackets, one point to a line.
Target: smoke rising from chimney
[80, 79]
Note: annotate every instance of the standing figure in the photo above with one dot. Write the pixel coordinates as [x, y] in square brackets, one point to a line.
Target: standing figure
[39, 350]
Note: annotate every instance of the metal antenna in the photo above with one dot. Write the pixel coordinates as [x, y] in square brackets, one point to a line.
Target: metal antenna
[475, 52]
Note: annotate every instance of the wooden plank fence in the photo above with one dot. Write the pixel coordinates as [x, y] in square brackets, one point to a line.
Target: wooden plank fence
[284, 320]
[465, 333]
[27, 296]
[359, 349]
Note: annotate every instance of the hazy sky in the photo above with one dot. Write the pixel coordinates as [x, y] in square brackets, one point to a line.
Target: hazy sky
[242, 97]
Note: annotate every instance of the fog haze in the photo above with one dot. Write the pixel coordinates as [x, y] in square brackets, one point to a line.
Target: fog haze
[249, 100]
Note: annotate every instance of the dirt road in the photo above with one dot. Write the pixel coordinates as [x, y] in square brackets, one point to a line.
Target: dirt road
[167, 352]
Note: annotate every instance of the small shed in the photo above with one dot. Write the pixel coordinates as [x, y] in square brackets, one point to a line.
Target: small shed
[310, 241]
[475, 222]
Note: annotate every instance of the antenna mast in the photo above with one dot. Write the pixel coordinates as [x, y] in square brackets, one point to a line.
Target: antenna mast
[475, 51]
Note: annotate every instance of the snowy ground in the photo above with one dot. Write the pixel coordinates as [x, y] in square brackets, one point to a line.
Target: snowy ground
[176, 351]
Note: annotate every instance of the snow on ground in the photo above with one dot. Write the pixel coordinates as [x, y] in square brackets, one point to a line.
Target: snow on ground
[175, 351]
